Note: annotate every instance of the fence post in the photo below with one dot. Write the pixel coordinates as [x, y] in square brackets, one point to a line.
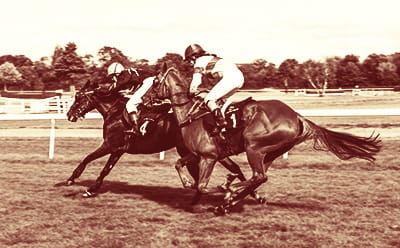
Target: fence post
[162, 155]
[52, 138]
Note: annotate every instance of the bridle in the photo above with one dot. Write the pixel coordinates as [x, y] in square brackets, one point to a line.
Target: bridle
[82, 110]
[162, 86]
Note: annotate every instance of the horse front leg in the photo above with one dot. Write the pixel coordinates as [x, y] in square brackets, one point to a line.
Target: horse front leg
[191, 163]
[98, 153]
[206, 167]
[112, 160]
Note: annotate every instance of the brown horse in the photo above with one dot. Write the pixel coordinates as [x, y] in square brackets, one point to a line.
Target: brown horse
[165, 135]
[268, 129]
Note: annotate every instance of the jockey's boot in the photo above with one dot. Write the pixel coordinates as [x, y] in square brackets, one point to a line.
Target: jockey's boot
[219, 120]
[133, 117]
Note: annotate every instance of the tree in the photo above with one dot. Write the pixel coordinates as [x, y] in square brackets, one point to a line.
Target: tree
[18, 60]
[288, 73]
[259, 74]
[332, 65]
[46, 74]
[30, 78]
[316, 74]
[9, 75]
[370, 68]
[387, 74]
[68, 66]
[144, 68]
[349, 72]
[395, 58]
[175, 60]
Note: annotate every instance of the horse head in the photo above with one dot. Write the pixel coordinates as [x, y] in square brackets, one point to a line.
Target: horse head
[83, 102]
[169, 84]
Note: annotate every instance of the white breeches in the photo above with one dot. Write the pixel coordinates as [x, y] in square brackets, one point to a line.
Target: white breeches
[131, 105]
[226, 87]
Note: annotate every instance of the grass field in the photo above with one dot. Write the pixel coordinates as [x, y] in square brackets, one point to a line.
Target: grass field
[313, 199]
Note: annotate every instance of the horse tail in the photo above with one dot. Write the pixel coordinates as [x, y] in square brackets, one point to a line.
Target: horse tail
[344, 145]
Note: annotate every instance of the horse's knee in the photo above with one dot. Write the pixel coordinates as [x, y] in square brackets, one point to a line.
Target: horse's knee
[202, 188]
[179, 165]
[259, 177]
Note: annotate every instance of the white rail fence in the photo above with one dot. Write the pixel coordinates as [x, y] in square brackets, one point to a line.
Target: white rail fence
[55, 104]
[327, 112]
[56, 107]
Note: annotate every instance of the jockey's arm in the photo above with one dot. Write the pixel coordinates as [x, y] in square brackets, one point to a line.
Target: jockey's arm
[196, 80]
[136, 98]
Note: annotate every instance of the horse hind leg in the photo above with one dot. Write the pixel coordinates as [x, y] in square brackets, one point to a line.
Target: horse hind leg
[236, 172]
[259, 167]
[234, 200]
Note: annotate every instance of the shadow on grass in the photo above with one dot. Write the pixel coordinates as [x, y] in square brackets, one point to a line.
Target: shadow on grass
[312, 206]
[180, 198]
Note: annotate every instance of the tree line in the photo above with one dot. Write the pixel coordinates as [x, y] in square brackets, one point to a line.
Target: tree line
[66, 69]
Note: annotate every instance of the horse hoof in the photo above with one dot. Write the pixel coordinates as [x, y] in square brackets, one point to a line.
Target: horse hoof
[70, 182]
[88, 194]
[262, 200]
[196, 209]
[188, 185]
[220, 211]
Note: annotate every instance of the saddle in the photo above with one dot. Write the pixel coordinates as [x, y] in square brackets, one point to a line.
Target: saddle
[231, 137]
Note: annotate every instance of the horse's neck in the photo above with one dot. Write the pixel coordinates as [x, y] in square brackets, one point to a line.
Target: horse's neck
[181, 104]
[181, 112]
[105, 107]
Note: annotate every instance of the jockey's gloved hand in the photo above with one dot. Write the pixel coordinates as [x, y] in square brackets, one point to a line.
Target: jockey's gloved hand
[101, 91]
[193, 90]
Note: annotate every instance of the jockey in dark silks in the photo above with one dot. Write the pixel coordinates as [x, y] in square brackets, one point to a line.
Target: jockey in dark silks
[128, 79]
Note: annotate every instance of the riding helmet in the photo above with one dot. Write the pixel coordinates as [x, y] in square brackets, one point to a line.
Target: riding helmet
[193, 50]
[114, 68]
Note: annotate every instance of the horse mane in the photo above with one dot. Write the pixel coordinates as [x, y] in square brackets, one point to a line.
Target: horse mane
[177, 73]
[117, 101]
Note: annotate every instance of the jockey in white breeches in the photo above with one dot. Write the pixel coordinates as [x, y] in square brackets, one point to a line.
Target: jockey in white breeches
[229, 77]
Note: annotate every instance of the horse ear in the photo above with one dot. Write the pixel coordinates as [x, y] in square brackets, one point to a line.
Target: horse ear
[95, 85]
[87, 84]
[164, 67]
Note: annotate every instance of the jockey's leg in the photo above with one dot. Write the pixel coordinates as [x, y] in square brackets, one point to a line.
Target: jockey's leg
[223, 88]
[131, 108]
[133, 117]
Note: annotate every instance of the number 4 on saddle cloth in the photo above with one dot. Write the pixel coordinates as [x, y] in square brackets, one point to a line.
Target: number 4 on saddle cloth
[230, 138]
[148, 115]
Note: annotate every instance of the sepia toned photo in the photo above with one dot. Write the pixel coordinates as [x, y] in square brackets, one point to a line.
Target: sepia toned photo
[199, 124]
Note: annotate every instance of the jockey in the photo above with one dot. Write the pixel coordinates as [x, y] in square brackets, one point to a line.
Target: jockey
[228, 75]
[122, 78]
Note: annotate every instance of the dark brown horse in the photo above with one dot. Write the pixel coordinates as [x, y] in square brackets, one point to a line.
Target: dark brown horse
[267, 129]
[164, 134]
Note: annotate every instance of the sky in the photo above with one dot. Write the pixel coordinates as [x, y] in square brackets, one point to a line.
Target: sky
[240, 31]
